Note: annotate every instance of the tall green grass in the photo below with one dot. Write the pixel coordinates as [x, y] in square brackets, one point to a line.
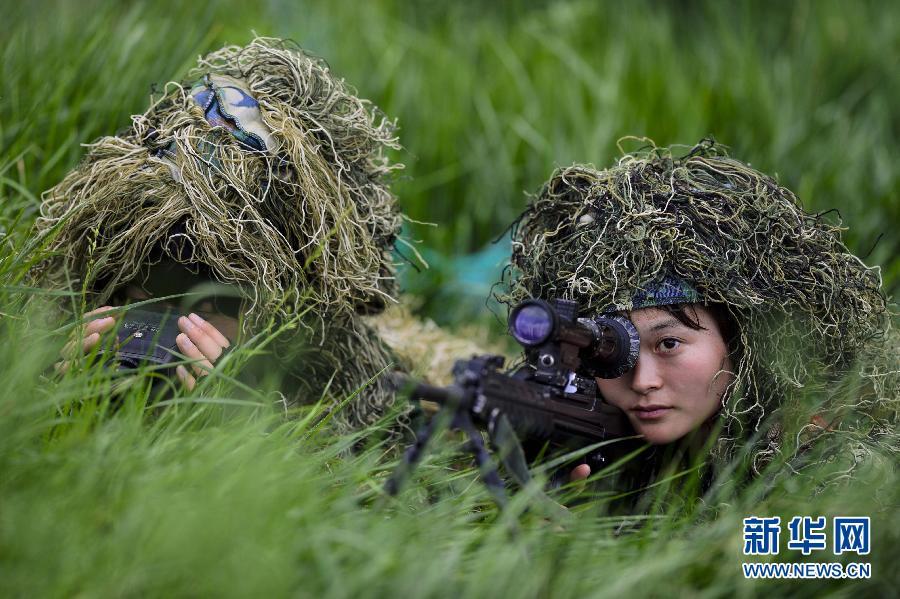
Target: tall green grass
[490, 100]
[219, 494]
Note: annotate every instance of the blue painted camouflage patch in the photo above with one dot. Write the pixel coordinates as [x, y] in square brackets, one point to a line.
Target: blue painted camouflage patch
[228, 106]
[665, 292]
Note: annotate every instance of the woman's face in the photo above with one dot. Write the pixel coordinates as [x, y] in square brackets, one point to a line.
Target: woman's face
[679, 379]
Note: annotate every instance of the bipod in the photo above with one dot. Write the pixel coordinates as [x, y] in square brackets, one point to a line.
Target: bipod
[462, 421]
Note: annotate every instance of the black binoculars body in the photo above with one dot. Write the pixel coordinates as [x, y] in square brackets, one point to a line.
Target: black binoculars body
[146, 336]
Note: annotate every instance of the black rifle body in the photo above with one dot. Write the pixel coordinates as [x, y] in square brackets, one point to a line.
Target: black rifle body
[551, 410]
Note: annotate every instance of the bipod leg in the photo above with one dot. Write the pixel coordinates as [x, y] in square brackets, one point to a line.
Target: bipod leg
[411, 458]
[508, 447]
[486, 466]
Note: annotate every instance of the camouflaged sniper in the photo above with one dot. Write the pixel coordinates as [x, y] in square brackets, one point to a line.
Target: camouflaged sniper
[267, 169]
[707, 228]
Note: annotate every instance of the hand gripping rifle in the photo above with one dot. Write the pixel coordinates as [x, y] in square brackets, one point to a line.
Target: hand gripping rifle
[551, 397]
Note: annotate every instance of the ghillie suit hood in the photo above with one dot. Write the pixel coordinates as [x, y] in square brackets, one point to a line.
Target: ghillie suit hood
[265, 169]
[807, 310]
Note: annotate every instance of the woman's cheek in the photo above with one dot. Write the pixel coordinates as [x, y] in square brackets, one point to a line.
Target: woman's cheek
[613, 392]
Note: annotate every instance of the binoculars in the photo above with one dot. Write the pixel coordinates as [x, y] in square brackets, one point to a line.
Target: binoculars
[146, 336]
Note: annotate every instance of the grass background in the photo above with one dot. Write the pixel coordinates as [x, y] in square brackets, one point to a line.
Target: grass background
[490, 97]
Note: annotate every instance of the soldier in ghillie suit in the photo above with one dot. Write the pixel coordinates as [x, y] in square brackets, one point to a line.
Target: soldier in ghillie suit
[263, 172]
[760, 331]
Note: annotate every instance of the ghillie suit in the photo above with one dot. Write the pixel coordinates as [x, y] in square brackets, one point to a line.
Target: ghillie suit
[268, 171]
[809, 314]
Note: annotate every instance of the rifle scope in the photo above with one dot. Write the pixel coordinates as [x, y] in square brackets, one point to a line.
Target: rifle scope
[608, 344]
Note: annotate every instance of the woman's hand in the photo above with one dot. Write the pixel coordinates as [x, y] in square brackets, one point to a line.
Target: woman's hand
[580, 472]
[201, 342]
[88, 338]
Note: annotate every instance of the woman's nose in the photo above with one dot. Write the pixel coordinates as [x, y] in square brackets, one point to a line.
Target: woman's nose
[645, 376]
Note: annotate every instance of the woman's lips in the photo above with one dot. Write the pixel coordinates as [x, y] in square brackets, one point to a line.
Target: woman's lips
[651, 412]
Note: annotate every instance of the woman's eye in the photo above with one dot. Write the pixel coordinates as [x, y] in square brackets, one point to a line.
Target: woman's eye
[668, 344]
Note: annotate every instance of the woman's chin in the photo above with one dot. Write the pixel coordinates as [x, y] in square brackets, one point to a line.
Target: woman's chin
[659, 434]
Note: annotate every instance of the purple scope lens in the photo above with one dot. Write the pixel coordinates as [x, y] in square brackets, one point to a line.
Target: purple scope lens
[531, 324]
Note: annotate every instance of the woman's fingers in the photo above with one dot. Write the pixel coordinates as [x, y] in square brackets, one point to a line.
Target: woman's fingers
[89, 342]
[101, 325]
[208, 346]
[201, 364]
[580, 472]
[99, 310]
[89, 334]
[210, 330]
[185, 377]
[200, 341]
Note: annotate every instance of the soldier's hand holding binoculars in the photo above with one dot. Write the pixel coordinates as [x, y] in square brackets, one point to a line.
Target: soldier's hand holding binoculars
[202, 343]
